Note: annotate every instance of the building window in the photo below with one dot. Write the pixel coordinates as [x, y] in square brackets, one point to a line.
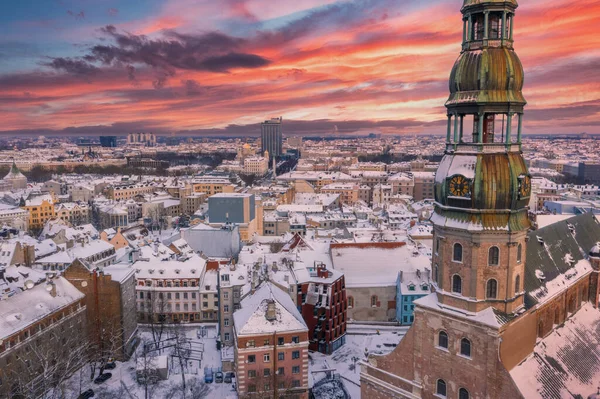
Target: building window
[465, 347]
[251, 373]
[280, 356]
[374, 301]
[250, 344]
[463, 394]
[519, 253]
[296, 355]
[266, 372]
[440, 389]
[437, 246]
[456, 284]
[251, 359]
[226, 308]
[252, 388]
[280, 371]
[226, 322]
[296, 339]
[266, 357]
[517, 284]
[494, 256]
[457, 255]
[443, 340]
[295, 369]
[226, 336]
[350, 301]
[280, 341]
[492, 289]
[435, 273]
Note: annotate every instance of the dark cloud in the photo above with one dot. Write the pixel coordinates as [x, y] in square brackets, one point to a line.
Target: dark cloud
[72, 66]
[214, 52]
[192, 88]
[576, 112]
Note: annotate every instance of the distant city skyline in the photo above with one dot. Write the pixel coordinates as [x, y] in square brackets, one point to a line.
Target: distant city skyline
[220, 68]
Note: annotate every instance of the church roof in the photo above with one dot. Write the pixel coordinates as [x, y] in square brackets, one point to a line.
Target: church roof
[558, 251]
[14, 172]
[566, 363]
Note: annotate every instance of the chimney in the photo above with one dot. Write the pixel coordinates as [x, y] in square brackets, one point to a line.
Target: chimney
[51, 288]
[271, 314]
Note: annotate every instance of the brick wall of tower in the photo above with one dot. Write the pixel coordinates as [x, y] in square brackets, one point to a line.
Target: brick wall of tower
[475, 270]
[418, 358]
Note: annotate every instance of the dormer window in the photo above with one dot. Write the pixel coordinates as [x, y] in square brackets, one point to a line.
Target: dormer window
[411, 287]
[177, 271]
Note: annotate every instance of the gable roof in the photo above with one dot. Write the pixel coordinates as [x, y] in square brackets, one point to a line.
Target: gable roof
[566, 363]
[557, 251]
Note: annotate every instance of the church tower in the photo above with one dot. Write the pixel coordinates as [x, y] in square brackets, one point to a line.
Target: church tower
[482, 186]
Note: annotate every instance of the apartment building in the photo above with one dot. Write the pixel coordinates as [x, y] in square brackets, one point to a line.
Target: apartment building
[271, 345]
[41, 209]
[211, 185]
[168, 285]
[39, 341]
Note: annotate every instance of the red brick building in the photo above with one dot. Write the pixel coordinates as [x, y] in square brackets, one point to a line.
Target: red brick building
[271, 346]
[323, 304]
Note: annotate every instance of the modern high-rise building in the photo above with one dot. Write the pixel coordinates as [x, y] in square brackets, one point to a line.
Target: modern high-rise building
[510, 308]
[108, 141]
[271, 139]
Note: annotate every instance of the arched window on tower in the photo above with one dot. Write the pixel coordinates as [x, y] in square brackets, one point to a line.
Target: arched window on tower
[435, 273]
[519, 253]
[457, 254]
[350, 301]
[492, 289]
[440, 388]
[463, 394]
[442, 340]
[517, 284]
[457, 284]
[465, 347]
[494, 256]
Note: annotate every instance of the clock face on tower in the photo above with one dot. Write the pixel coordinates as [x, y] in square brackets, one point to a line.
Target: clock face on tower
[459, 186]
[525, 186]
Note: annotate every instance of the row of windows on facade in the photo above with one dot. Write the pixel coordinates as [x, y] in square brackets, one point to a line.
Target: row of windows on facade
[171, 283]
[493, 253]
[280, 341]
[178, 295]
[267, 387]
[491, 287]
[267, 357]
[267, 372]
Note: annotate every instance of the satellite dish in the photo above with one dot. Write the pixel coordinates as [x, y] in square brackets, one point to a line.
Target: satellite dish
[29, 284]
[84, 283]
[49, 287]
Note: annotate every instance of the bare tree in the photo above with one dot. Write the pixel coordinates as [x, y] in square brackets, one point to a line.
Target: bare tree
[157, 308]
[47, 362]
[181, 351]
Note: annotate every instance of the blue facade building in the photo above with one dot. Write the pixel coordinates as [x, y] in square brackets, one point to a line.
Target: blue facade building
[410, 286]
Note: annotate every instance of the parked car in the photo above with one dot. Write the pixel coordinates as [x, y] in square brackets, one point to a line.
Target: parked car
[208, 375]
[102, 377]
[228, 378]
[219, 377]
[87, 394]
[110, 366]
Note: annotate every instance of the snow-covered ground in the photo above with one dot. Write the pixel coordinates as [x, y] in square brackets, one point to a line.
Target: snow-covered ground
[123, 384]
[343, 361]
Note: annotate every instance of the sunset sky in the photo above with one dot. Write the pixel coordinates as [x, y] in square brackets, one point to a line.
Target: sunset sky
[210, 66]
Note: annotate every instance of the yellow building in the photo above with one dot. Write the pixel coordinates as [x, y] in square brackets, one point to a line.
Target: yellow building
[212, 185]
[41, 209]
